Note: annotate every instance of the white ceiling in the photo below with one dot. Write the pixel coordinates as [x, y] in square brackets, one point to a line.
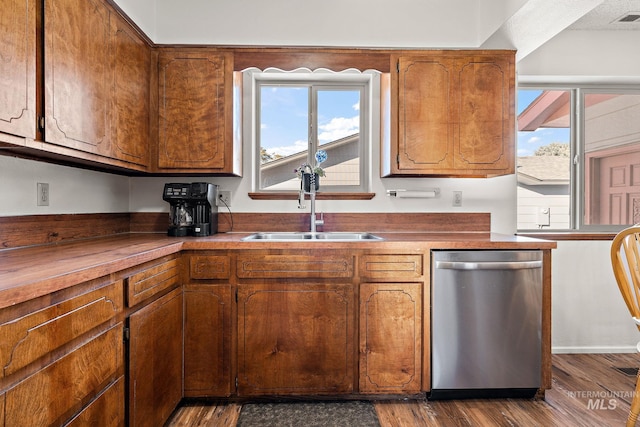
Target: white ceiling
[606, 16]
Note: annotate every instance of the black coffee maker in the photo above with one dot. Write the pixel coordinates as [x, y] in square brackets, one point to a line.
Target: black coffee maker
[192, 210]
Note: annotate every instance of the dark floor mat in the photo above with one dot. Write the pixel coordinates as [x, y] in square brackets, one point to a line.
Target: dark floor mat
[309, 414]
[632, 372]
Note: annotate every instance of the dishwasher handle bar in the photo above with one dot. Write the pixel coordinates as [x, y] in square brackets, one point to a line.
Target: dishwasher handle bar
[488, 265]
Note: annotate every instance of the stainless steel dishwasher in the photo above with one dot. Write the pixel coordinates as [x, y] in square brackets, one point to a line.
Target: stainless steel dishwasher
[486, 316]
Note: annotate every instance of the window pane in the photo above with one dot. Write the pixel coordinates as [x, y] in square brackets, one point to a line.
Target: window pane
[283, 135]
[612, 158]
[339, 134]
[544, 163]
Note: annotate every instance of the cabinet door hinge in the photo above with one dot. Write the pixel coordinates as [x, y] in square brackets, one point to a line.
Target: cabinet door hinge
[398, 159]
[236, 383]
[236, 296]
[125, 334]
[398, 66]
[41, 122]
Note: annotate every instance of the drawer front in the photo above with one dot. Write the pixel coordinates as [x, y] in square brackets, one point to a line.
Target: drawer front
[153, 280]
[391, 267]
[54, 394]
[28, 338]
[285, 266]
[209, 267]
[106, 411]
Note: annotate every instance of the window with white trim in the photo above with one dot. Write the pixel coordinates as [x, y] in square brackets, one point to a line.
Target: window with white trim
[295, 114]
[578, 158]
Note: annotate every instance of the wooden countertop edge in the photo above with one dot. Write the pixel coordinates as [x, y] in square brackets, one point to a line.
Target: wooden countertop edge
[43, 279]
[32, 272]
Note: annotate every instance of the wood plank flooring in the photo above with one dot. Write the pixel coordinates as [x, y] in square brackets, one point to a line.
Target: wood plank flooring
[587, 391]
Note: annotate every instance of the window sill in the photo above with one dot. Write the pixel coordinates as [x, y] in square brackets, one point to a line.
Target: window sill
[569, 235]
[293, 195]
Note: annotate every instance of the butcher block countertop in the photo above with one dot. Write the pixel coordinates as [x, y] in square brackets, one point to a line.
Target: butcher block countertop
[35, 271]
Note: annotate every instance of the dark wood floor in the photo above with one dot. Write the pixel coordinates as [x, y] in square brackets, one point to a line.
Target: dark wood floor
[588, 390]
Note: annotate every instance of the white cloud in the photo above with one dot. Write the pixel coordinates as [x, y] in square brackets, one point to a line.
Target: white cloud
[339, 127]
[356, 106]
[534, 140]
[288, 150]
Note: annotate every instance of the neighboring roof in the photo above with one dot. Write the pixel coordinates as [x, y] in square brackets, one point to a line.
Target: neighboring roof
[338, 151]
[543, 170]
[550, 109]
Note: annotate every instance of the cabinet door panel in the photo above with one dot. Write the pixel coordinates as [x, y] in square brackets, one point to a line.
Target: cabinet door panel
[155, 361]
[78, 76]
[425, 131]
[207, 340]
[455, 113]
[18, 67]
[132, 62]
[485, 132]
[295, 339]
[192, 124]
[390, 337]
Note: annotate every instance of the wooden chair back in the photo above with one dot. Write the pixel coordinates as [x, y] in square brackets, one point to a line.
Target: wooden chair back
[625, 259]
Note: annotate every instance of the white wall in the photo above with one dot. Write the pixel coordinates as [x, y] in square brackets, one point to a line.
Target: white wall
[378, 23]
[588, 312]
[576, 56]
[143, 13]
[71, 190]
[494, 195]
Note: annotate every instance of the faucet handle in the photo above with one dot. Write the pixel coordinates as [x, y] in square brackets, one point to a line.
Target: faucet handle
[321, 220]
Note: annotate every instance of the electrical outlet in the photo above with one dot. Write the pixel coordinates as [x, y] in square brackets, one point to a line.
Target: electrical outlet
[224, 198]
[457, 199]
[43, 194]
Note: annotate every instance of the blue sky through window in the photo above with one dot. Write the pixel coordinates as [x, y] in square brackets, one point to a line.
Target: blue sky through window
[285, 118]
[530, 141]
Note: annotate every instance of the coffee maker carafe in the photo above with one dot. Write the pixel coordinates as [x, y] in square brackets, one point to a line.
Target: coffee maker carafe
[192, 210]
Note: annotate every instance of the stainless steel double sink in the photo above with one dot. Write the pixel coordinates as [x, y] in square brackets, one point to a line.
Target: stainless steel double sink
[312, 237]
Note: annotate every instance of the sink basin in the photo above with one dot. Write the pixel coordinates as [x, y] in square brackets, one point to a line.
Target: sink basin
[314, 237]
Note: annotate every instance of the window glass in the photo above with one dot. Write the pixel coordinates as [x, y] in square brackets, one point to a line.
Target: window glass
[578, 159]
[339, 135]
[544, 161]
[612, 158]
[283, 134]
[293, 114]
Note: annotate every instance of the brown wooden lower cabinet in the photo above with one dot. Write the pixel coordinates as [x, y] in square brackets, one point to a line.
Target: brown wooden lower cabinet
[57, 392]
[106, 411]
[62, 354]
[295, 339]
[155, 360]
[322, 322]
[390, 337]
[207, 340]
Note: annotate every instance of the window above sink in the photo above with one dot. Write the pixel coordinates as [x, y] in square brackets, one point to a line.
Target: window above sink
[294, 113]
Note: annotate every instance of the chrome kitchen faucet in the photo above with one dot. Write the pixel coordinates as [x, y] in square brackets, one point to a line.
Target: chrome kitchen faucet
[312, 197]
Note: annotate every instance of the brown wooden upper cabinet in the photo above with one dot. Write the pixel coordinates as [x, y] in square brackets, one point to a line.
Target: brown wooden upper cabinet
[452, 113]
[195, 111]
[18, 68]
[96, 83]
[78, 79]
